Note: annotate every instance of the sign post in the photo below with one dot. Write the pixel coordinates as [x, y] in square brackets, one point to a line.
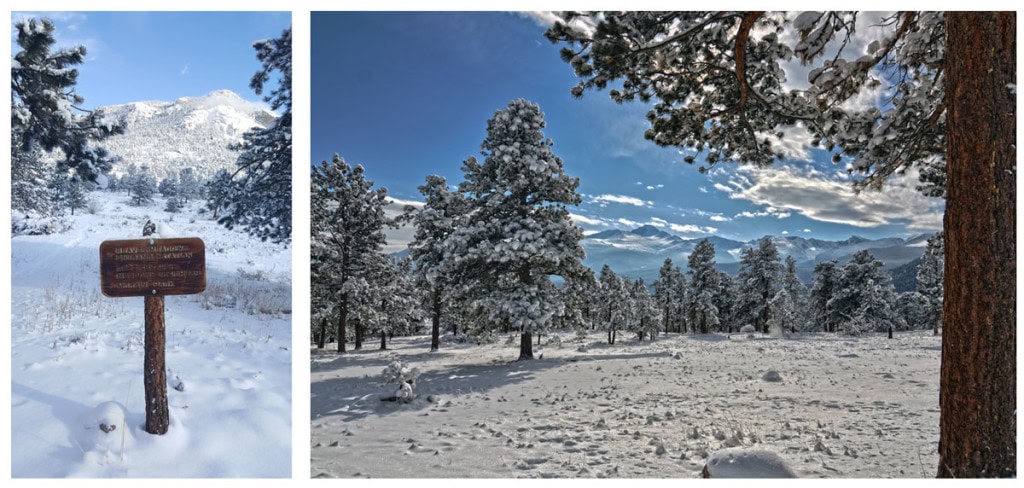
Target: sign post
[153, 268]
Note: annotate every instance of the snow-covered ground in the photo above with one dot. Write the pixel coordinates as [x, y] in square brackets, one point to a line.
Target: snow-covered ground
[839, 407]
[76, 356]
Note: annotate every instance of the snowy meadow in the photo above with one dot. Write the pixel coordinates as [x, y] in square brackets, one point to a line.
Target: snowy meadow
[77, 356]
[830, 406]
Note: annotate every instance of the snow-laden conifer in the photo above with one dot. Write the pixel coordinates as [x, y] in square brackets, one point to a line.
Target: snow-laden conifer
[758, 282]
[347, 220]
[865, 299]
[517, 233]
[930, 276]
[705, 286]
[260, 195]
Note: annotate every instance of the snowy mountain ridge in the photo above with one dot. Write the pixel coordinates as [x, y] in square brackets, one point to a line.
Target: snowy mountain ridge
[640, 252]
[188, 132]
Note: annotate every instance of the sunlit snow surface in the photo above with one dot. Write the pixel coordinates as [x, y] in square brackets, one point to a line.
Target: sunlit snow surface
[76, 356]
[843, 408]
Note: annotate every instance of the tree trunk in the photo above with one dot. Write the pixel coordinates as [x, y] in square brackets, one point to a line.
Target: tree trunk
[525, 346]
[977, 396]
[342, 319]
[383, 341]
[322, 340]
[435, 321]
[890, 332]
[359, 334]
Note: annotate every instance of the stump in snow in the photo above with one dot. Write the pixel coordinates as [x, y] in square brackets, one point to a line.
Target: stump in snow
[746, 463]
[747, 329]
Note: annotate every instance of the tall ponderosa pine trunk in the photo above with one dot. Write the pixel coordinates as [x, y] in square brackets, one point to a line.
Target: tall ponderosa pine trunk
[978, 382]
[525, 346]
[322, 340]
[383, 341]
[435, 329]
[342, 318]
[359, 334]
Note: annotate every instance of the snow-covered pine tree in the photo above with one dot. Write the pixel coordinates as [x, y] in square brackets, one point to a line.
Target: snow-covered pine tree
[578, 294]
[347, 221]
[614, 304]
[646, 318]
[142, 187]
[45, 108]
[29, 178]
[930, 276]
[725, 301]
[669, 294]
[758, 282]
[66, 192]
[720, 79]
[442, 211]
[189, 187]
[260, 196]
[826, 282]
[915, 309]
[217, 190]
[518, 232]
[865, 298]
[789, 303]
[392, 304]
[168, 186]
[705, 286]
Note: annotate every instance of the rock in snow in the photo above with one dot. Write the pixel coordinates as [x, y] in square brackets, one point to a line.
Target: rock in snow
[746, 463]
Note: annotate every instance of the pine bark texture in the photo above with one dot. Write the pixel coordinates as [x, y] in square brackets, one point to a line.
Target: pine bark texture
[978, 376]
[525, 346]
[154, 372]
[435, 321]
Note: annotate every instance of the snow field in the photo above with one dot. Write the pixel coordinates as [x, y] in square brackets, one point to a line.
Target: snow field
[77, 356]
[844, 408]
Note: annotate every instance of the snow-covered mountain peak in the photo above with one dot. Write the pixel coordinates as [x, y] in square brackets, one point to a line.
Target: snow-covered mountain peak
[188, 132]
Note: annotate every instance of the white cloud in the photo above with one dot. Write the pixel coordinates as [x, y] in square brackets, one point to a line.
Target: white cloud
[395, 201]
[721, 187]
[580, 219]
[702, 189]
[719, 218]
[629, 223]
[649, 187]
[785, 232]
[807, 230]
[184, 70]
[784, 189]
[692, 229]
[622, 199]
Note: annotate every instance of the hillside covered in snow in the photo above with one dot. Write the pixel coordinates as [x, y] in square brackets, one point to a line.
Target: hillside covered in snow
[190, 132]
[77, 393]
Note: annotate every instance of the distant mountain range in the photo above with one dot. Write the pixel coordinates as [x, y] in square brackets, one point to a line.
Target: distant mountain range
[188, 132]
[639, 253]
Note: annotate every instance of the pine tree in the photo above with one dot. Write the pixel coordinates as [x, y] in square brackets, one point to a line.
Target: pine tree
[347, 218]
[788, 304]
[705, 286]
[669, 295]
[864, 297]
[168, 186]
[142, 187]
[720, 81]
[217, 191]
[518, 232]
[45, 108]
[929, 279]
[260, 196]
[578, 294]
[438, 218]
[645, 317]
[613, 302]
[29, 181]
[188, 185]
[758, 282]
[915, 310]
[826, 283]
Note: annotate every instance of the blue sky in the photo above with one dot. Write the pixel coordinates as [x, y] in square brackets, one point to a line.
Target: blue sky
[139, 56]
[409, 94]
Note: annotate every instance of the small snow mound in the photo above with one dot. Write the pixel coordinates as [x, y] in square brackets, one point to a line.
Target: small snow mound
[746, 463]
[747, 329]
[772, 376]
[103, 427]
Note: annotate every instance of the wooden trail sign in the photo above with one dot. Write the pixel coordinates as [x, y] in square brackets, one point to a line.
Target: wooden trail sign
[152, 268]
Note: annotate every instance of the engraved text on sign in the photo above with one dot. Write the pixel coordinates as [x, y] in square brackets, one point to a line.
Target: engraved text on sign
[141, 267]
